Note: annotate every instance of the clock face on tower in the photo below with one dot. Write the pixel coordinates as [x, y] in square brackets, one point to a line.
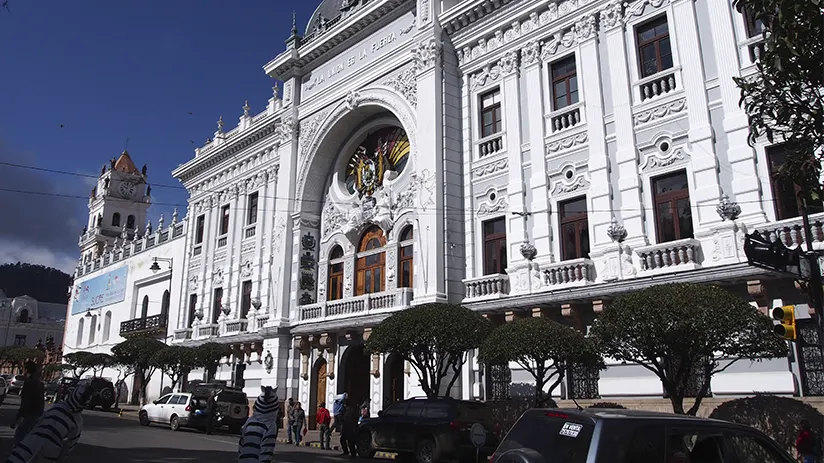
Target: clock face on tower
[127, 189]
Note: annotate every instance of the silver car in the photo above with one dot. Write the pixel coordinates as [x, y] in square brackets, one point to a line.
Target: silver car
[16, 384]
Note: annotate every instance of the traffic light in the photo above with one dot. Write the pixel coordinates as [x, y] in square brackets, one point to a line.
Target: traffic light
[786, 315]
[772, 255]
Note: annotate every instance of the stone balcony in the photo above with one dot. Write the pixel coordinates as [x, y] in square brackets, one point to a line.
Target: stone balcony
[486, 287]
[530, 277]
[144, 326]
[669, 257]
[225, 326]
[366, 304]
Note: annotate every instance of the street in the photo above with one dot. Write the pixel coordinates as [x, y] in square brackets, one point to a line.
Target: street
[108, 437]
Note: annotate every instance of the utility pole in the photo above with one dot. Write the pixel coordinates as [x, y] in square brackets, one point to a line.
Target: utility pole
[814, 286]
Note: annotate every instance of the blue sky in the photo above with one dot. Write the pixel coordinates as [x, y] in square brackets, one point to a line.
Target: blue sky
[111, 70]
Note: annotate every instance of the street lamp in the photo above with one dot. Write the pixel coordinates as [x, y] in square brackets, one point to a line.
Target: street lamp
[164, 311]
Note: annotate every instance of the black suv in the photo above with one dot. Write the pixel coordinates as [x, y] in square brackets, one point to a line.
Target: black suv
[103, 397]
[630, 436]
[431, 430]
[232, 404]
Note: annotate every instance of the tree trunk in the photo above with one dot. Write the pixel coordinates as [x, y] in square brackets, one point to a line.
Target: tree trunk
[677, 403]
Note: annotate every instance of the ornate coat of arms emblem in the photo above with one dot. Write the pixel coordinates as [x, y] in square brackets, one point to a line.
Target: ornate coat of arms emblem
[384, 150]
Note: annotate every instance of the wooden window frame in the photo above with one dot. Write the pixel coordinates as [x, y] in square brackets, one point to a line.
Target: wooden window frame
[492, 238]
[671, 197]
[252, 206]
[750, 25]
[566, 78]
[407, 240]
[496, 109]
[245, 298]
[361, 268]
[776, 184]
[656, 41]
[200, 226]
[335, 278]
[225, 215]
[581, 222]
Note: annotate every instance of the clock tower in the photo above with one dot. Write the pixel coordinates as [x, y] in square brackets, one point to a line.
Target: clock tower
[117, 203]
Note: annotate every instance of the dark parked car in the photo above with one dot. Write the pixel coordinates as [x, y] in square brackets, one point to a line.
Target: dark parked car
[232, 405]
[630, 436]
[16, 384]
[431, 430]
[104, 397]
[3, 387]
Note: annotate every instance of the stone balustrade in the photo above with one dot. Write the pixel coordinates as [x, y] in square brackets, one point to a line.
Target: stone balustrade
[183, 334]
[358, 305]
[566, 117]
[791, 232]
[671, 256]
[490, 145]
[576, 272]
[657, 85]
[486, 287]
[235, 326]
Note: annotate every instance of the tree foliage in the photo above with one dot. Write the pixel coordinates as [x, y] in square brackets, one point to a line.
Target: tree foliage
[16, 357]
[44, 284]
[175, 362]
[784, 100]
[544, 348]
[137, 353]
[80, 362]
[610, 405]
[434, 339]
[685, 331]
[208, 356]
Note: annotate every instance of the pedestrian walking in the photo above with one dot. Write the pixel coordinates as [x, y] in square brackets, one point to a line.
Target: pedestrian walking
[298, 422]
[32, 402]
[350, 429]
[324, 419]
[338, 410]
[211, 412]
[807, 445]
[289, 433]
[364, 413]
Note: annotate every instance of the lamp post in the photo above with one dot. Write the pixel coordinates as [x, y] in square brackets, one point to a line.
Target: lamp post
[164, 313]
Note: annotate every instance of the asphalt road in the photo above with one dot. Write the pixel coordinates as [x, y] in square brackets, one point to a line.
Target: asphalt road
[109, 438]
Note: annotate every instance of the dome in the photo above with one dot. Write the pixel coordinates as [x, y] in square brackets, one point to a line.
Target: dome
[328, 9]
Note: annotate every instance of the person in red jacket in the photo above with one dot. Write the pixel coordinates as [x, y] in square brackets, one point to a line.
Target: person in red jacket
[325, 425]
[805, 443]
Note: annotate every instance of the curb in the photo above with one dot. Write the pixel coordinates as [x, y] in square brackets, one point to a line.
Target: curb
[335, 448]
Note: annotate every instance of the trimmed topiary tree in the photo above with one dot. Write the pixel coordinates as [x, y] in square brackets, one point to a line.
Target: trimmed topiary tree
[137, 353]
[208, 355]
[542, 347]
[176, 362]
[608, 405]
[434, 339]
[777, 417]
[681, 331]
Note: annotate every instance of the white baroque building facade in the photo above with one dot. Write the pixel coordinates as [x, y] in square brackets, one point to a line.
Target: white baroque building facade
[520, 157]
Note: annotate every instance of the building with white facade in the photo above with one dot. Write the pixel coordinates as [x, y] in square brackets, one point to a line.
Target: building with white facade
[523, 158]
[26, 322]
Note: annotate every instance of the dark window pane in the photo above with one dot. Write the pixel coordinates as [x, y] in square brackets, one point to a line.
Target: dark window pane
[336, 253]
[684, 218]
[495, 227]
[666, 224]
[666, 53]
[750, 448]
[672, 182]
[583, 230]
[568, 238]
[574, 207]
[378, 283]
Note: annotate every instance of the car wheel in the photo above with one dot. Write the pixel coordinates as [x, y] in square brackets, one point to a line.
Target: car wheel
[364, 445]
[143, 418]
[174, 423]
[427, 451]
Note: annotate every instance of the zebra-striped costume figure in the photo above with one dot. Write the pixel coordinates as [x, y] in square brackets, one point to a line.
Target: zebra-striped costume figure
[259, 434]
[57, 431]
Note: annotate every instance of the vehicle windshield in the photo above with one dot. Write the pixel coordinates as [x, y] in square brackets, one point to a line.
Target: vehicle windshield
[558, 437]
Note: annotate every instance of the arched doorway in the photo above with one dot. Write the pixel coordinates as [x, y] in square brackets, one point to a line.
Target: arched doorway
[393, 380]
[354, 378]
[317, 391]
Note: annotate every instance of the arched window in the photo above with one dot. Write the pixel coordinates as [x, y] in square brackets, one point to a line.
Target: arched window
[406, 264]
[335, 286]
[116, 219]
[107, 325]
[24, 316]
[130, 222]
[93, 330]
[144, 310]
[80, 325]
[371, 262]
[164, 306]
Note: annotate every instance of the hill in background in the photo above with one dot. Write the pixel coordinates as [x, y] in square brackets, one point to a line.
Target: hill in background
[45, 284]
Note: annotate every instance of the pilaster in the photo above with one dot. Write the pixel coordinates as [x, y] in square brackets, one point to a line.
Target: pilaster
[540, 230]
[207, 259]
[626, 154]
[740, 155]
[599, 200]
[280, 256]
[516, 233]
[431, 286]
[706, 190]
[231, 274]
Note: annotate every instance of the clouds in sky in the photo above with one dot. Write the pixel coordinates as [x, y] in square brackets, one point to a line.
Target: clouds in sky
[39, 229]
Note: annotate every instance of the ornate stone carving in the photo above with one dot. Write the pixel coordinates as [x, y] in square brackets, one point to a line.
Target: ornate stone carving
[611, 16]
[616, 232]
[585, 28]
[217, 277]
[576, 184]
[727, 209]
[427, 55]
[480, 78]
[567, 143]
[510, 63]
[531, 53]
[288, 128]
[308, 128]
[246, 269]
[637, 7]
[352, 100]
[490, 207]
[528, 250]
[277, 233]
[406, 84]
[551, 46]
[490, 168]
[659, 112]
[194, 283]
[657, 159]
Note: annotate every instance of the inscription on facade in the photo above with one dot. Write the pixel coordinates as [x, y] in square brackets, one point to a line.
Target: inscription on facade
[368, 50]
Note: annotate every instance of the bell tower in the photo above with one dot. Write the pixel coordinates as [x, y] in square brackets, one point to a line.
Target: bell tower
[117, 205]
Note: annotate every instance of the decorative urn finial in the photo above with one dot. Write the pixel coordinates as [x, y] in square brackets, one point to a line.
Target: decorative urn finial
[727, 209]
[617, 233]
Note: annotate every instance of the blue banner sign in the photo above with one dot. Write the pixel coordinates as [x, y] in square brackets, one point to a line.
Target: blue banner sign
[100, 291]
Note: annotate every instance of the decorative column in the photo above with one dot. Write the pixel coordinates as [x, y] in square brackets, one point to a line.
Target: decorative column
[541, 230]
[626, 156]
[705, 184]
[430, 284]
[206, 265]
[516, 230]
[600, 189]
[303, 347]
[741, 156]
[262, 224]
[231, 293]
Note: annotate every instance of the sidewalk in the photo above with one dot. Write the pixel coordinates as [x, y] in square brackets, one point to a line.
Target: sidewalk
[312, 439]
